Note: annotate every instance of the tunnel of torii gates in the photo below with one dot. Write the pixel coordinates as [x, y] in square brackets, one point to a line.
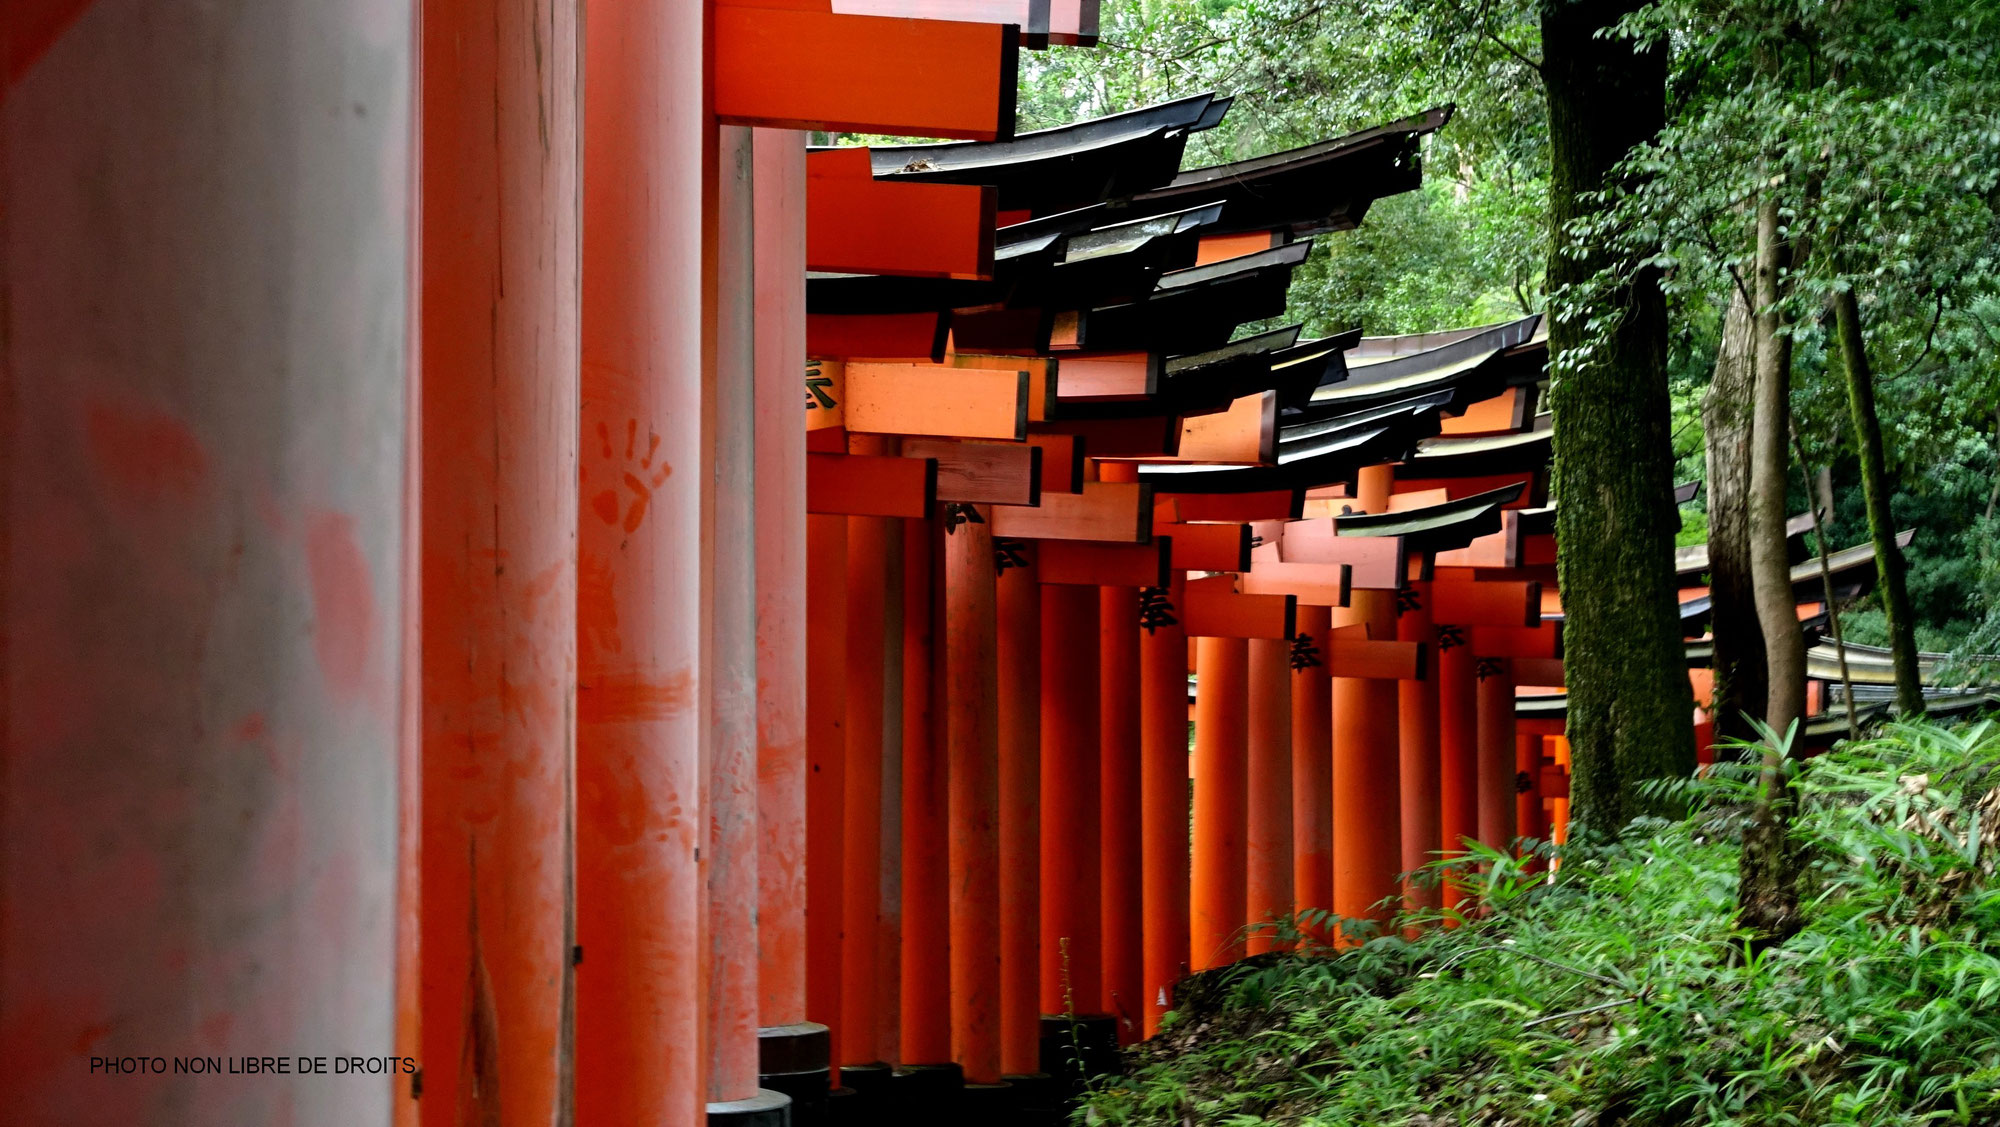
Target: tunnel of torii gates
[432, 632]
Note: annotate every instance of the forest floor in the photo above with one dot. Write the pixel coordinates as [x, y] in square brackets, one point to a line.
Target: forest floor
[1621, 992]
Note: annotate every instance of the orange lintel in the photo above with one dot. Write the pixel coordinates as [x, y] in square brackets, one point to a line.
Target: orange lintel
[866, 74]
[1212, 608]
[1062, 462]
[878, 335]
[1277, 504]
[1493, 603]
[1315, 584]
[1093, 564]
[1041, 376]
[1381, 563]
[1381, 660]
[866, 485]
[934, 399]
[1207, 547]
[856, 224]
[1500, 549]
[1502, 414]
[1534, 496]
[1246, 432]
[1517, 641]
[1094, 376]
[1543, 726]
[1538, 549]
[1538, 671]
[996, 473]
[1216, 248]
[1417, 499]
[1111, 511]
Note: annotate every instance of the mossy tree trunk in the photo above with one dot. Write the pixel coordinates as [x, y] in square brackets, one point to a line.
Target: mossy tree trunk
[1875, 489]
[1740, 682]
[1630, 709]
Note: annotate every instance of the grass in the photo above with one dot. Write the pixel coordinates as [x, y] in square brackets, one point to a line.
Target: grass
[1622, 993]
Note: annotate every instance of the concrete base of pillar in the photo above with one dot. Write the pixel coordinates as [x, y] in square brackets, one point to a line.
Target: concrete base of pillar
[870, 1085]
[989, 1105]
[765, 1109]
[925, 1093]
[792, 1060]
[1041, 1100]
[844, 1108]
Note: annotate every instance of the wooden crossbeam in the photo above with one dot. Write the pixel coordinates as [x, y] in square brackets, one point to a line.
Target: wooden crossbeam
[1315, 585]
[1246, 432]
[1031, 16]
[868, 485]
[1279, 504]
[1216, 248]
[1041, 377]
[1501, 549]
[1103, 510]
[1517, 641]
[1505, 413]
[877, 335]
[974, 470]
[1492, 603]
[1206, 547]
[791, 69]
[1095, 377]
[1380, 563]
[856, 224]
[1533, 497]
[1211, 607]
[826, 396]
[936, 399]
[1382, 660]
[1062, 461]
[1094, 564]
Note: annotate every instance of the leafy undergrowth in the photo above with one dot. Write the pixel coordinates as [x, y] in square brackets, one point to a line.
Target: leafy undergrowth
[1621, 992]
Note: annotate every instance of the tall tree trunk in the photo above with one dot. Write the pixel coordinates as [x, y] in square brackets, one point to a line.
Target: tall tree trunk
[1740, 681]
[1631, 715]
[1820, 485]
[1767, 894]
[1875, 488]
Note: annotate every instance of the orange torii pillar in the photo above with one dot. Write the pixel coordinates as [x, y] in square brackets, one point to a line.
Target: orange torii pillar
[1420, 769]
[924, 1034]
[793, 1052]
[1163, 792]
[1458, 747]
[1020, 657]
[1496, 753]
[1367, 823]
[1119, 894]
[1529, 819]
[640, 816]
[499, 220]
[1268, 791]
[207, 537]
[1312, 765]
[1217, 890]
[868, 544]
[972, 692]
[1071, 955]
[826, 751]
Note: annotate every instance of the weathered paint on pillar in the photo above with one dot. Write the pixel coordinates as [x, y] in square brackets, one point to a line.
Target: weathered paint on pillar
[925, 1029]
[1458, 748]
[1163, 807]
[1423, 800]
[972, 693]
[1020, 674]
[1119, 928]
[888, 978]
[1367, 823]
[826, 750]
[500, 346]
[868, 540]
[780, 267]
[1496, 753]
[1268, 840]
[203, 422]
[732, 667]
[640, 817]
[1072, 955]
[1312, 768]
[1221, 740]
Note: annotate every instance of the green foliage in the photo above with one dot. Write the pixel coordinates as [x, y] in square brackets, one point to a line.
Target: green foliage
[1620, 992]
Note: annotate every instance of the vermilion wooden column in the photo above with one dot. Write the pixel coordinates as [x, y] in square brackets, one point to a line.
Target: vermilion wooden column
[204, 417]
[1496, 753]
[1020, 675]
[1312, 770]
[500, 392]
[1163, 804]
[1119, 898]
[826, 748]
[1268, 842]
[1367, 823]
[1529, 820]
[1458, 747]
[640, 816]
[925, 1031]
[779, 183]
[1221, 739]
[868, 541]
[1419, 774]
[1072, 953]
[972, 694]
